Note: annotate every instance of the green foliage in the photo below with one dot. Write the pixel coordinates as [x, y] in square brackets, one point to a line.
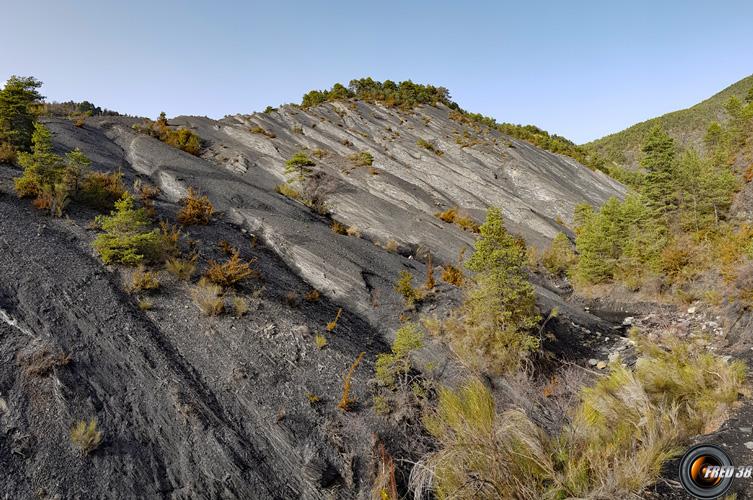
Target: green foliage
[659, 188]
[405, 95]
[705, 191]
[623, 147]
[404, 287]
[19, 103]
[394, 366]
[297, 166]
[128, 236]
[559, 257]
[619, 241]
[621, 433]
[181, 138]
[499, 309]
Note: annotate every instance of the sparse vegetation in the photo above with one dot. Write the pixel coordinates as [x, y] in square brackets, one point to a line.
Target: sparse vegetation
[312, 295]
[362, 159]
[429, 146]
[85, 436]
[320, 341]
[195, 210]
[240, 306]
[452, 275]
[257, 129]
[182, 138]
[404, 287]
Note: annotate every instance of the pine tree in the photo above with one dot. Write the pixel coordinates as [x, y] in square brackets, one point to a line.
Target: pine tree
[499, 309]
[659, 188]
[17, 113]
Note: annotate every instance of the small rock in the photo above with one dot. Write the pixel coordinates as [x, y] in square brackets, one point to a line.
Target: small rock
[749, 445]
[628, 321]
[691, 310]
[593, 362]
[302, 330]
[601, 365]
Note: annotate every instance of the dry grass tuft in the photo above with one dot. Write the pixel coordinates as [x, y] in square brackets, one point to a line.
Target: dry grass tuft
[208, 297]
[42, 362]
[144, 281]
[333, 324]
[182, 269]
[312, 295]
[85, 436]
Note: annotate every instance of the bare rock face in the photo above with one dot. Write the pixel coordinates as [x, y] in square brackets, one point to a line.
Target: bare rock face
[467, 166]
[197, 407]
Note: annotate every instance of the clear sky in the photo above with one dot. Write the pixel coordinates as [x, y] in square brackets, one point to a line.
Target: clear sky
[579, 68]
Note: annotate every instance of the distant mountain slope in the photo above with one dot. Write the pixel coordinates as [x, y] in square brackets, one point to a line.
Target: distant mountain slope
[687, 126]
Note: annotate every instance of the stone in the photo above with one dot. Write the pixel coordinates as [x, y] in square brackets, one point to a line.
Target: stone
[691, 310]
[601, 365]
[593, 362]
[628, 321]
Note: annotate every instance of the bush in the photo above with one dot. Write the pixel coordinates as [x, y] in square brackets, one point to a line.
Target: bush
[182, 138]
[261, 131]
[429, 146]
[602, 453]
[230, 273]
[297, 166]
[85, 436]
[129, 237]
[559, 257]
[7, 153]
[452, 275]
[362, 159]
[240, 306]
[404, 287]
[286, 190]
[181, 268]
[392, 368]
[196, 210]
[333, 324]
[143, 280]
[101, 190]
[208, 298]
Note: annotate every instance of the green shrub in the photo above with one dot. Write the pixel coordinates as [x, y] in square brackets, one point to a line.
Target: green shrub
[101, 189]
[404, 287]
[499, 309]
[297, 166]
[128, 237]
[85, 436]
[393, 367]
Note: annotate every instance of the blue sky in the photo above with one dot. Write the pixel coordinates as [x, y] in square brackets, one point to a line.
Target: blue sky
[579, 68]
